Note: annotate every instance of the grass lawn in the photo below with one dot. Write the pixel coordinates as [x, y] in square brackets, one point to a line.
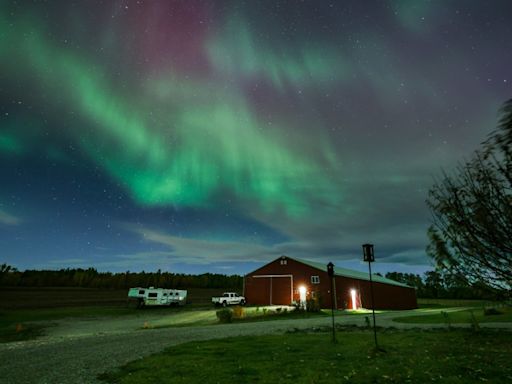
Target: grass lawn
[441, 303]
[460, 317]
[411, 357]
[269, 314]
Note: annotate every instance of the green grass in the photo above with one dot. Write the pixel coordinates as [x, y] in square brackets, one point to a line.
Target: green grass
[463, 316]
[442, 303]
[197, 317]
[262, 314]
[410, 357]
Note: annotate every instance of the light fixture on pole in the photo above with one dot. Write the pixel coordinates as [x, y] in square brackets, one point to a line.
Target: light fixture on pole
[369, 257]
[330, 272]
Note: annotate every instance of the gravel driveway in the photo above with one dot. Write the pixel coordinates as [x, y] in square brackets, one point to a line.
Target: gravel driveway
[80, 357]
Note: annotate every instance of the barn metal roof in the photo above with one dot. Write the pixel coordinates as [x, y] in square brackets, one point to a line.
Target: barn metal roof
[350, 273]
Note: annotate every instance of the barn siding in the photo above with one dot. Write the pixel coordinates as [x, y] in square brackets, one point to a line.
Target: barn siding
[257, 289]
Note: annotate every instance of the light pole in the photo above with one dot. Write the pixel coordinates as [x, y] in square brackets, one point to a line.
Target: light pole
[370, 258]
[330, 272]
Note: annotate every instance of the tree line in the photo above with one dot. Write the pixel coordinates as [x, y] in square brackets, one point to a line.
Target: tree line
[91, 278]
[439, 285]
[433, 284]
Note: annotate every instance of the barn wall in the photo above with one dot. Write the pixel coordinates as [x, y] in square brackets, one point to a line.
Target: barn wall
[386, 296]
[257, 290]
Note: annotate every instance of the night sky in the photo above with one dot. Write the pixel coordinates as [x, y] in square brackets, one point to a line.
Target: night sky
[214, 136]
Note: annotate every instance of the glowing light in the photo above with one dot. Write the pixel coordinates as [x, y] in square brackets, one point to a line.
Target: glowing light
[302, 296]
[354, 301]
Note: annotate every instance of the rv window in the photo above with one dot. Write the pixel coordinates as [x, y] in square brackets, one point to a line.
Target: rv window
[153, 294]
[141, 292]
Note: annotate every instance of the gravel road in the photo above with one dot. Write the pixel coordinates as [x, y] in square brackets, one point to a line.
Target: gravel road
[78, 357]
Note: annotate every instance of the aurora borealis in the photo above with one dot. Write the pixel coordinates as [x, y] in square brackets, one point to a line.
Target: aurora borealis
[197, 136]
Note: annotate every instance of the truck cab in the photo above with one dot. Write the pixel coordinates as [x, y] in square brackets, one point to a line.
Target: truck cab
[228, 298]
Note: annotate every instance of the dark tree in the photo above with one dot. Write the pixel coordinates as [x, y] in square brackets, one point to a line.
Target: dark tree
[471, 234]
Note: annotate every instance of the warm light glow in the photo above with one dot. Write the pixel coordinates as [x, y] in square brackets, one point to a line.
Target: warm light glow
[302, 296]
[354, 302]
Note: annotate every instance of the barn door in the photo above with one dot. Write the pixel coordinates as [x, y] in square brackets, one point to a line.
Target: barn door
[280, 290]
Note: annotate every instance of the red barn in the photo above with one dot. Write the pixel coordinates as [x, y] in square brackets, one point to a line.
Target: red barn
[286, 280]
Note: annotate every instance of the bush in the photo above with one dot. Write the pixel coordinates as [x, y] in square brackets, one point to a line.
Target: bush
[313, 305]
[224, 315]
[238, 312]
[297, 306]
[492, 311]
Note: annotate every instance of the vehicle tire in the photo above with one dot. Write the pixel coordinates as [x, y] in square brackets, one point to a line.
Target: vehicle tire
[224, 304]
[242, 302]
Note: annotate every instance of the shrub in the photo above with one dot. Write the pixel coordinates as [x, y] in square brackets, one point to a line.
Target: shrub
[297, 306]
[238, 312]
[313, 305]
[492, 311]
[147, 325]
[224, 315]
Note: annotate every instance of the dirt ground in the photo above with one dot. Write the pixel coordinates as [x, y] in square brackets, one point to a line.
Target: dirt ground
[77, 350]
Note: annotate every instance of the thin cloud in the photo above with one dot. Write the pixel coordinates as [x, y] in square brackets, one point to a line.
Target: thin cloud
[8, 219]
[198, 251]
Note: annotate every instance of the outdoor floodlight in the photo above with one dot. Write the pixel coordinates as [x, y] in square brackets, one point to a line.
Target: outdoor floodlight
[368, 253]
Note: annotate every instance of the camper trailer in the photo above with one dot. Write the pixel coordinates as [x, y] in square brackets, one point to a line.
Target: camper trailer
[157, 296]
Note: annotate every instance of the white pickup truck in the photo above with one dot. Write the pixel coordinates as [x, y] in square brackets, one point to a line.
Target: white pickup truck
[229, 298]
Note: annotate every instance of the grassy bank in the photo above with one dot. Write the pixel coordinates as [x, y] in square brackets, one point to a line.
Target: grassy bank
[442, 303]
[503, 314]
[410, 357]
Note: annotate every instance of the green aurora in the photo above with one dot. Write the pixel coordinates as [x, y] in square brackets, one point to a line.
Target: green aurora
[197, 135]
[200, 140]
